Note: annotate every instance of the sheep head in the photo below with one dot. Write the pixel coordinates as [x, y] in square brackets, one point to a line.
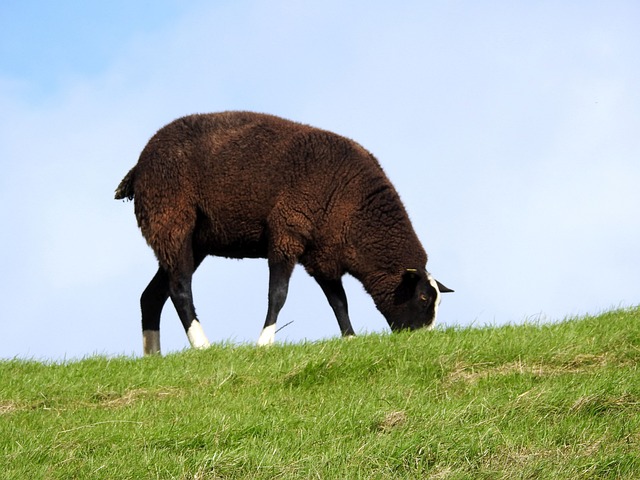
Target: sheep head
[414, 302]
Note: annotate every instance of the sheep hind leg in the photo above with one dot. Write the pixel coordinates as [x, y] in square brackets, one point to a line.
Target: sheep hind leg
[334, 291]
[279, 276]
[182, 297]
[151, 302]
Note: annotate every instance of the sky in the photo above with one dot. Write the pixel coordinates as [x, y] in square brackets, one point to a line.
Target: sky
[510, 130]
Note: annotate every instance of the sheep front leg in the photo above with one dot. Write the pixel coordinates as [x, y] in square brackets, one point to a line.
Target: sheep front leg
[279, 275]
[334, 291]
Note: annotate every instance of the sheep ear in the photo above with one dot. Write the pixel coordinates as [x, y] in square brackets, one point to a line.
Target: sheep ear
[443, 289]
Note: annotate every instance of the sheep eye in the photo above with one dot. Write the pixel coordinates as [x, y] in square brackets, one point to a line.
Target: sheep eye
[423, 297]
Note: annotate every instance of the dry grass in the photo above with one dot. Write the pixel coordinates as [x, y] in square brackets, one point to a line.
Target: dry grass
[129, 397]
[472, 373]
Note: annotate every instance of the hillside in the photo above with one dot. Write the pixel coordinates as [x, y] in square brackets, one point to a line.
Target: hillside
[533, 401]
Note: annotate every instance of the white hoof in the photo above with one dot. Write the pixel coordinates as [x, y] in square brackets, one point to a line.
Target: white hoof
[151, 342]
[196, 336]
[268, 336]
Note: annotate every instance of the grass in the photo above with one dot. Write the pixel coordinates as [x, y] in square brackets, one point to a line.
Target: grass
[533, 401]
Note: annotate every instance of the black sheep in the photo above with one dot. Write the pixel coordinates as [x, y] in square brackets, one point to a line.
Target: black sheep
[241, 184]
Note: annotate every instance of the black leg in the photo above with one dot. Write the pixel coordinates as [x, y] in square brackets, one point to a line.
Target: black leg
[155, 296]
[153, 299]
[279, 275]
[334, 292]
[182, 297]
[151, 302]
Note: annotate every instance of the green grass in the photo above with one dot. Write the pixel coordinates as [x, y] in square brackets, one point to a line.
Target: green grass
[533, 401]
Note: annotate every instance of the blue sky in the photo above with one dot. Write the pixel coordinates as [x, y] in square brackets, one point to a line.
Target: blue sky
[510, 130]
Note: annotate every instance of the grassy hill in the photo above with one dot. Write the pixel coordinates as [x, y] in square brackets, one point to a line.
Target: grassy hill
[534, 401]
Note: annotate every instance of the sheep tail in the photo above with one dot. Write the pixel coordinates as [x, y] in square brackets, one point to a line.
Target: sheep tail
[125, 189]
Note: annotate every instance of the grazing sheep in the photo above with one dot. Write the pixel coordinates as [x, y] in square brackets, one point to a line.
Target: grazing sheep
[248, 185]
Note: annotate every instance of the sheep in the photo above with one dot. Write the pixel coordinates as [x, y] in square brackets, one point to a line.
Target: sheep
[250, 185]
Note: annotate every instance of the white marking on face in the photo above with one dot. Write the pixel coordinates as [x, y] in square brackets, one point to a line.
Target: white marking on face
[151, 342]
[436, 302]
[268, 336]
[196, 336]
